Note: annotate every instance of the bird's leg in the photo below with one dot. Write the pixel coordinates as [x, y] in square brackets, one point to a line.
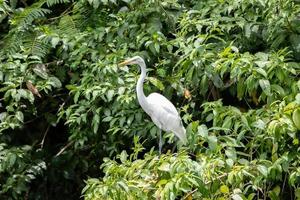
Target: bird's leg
[174, 148]
[160, 142]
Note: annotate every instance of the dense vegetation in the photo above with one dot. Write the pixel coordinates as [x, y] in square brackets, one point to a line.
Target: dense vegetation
[231, 67]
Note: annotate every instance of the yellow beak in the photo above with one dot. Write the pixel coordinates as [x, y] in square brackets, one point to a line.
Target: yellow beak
[126, 62]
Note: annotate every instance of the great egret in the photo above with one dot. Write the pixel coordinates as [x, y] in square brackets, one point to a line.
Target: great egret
[162, 112]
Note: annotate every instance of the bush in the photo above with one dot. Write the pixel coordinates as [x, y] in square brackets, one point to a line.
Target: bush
[230, 67]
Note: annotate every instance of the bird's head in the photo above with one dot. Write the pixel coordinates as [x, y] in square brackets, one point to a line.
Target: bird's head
[131, 61]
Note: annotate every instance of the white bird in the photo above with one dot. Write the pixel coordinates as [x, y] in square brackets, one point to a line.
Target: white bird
[162, 112]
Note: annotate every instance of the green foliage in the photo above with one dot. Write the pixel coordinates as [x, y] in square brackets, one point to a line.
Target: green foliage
[166, 177]
[231, 68]
[21, 170]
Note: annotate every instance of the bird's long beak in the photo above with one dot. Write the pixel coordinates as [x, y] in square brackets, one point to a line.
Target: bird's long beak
[126, 62]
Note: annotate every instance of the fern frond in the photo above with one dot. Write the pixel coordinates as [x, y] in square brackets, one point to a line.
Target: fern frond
[67, 25]
[36, 46]
[4, 9]
[81, 15]
[29, 14]
[54, 2]
[11, 42]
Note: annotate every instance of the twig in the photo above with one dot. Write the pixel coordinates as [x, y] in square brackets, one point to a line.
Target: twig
[29, 121]
[219, 177]
[283, 185]
[67, 11]
[190, 193]
[45, 134]
[24, 3]
[64, 148]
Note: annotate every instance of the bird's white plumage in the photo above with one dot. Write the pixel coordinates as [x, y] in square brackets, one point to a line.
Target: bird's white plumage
[164, 115]
[160, 100]
[162, 112]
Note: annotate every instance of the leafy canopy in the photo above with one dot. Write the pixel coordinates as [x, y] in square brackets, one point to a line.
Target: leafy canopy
[231, 68]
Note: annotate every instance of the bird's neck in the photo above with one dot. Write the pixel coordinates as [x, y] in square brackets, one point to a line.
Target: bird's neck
[139, 88]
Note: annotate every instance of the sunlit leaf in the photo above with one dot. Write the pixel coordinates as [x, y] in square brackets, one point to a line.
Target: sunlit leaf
[296, 118]
[156, 83]
[265, 86]
[224, 189]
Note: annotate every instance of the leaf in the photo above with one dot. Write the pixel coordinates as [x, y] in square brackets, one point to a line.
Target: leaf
[227, 122]
[54, 2]
[107, 119]
[12, 159]
[13, 3]
[138, 117]
[265, 86]
[263, 170]
[23, 93]
[94, 3]
[297, 98]
[130, 119]
[202, 131]
[248, 30]
[229, 162]
[20, 116]
[240, 89]
[297, 193]
[110, 95]
[122, 121]
[251, 196]
[296, 118]
[262, 72]
[165, 166]
[192, 181]
[212, 142]
[162, 72]
[40, 70]
[157, 83]
[123, 185]
[123, 156]
[96, 122]
[236, 197]
[55, 82]
[157, 47]
[153, 131]
[217, 81]
[295, 141]
[278, 89]
[1, 76]
[295, 41]
[224, 189]
[162, 182]
[76, 96]
[71, 87]
[275, 193]
[259, 124]
[231, 153]
[262, 56]
[54, 41]
[121, 90]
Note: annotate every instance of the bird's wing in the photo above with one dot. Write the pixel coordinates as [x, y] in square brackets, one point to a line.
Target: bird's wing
[159, 100]
[165, 116]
